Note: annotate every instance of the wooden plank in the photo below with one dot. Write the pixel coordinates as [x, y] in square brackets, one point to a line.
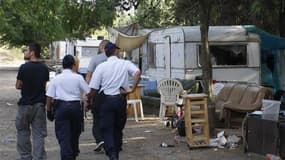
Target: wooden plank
[198, 120]
[197, 112]
[198, 102]
[187, 116]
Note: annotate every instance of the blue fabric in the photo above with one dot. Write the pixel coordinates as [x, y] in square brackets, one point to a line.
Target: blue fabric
[271, 46]
[148, 84]
[268, 41]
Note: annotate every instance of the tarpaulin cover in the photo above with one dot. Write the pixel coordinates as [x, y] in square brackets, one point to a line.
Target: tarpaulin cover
[127, 42]
[268, 41]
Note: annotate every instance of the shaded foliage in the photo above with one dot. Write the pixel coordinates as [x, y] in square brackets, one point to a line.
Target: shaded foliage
[49, 20]
[268, 15]
[156, 13]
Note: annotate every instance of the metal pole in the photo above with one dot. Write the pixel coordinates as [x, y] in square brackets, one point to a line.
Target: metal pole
[169, 42]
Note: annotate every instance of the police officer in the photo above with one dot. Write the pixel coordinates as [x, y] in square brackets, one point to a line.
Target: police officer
[95, 61]
[113, 76]
[66, 90]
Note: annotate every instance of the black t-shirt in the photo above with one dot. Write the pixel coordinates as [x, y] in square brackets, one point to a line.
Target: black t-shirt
[34, 76]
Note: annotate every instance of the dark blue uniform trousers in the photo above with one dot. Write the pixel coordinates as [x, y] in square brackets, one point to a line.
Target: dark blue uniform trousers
[68, 128]
[113, 116]
[96, 118]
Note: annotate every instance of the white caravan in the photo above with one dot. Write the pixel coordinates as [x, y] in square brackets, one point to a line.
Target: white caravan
[175, 52]
[83, 49]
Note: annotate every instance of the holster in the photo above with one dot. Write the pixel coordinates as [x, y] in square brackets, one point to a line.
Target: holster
[51, 113]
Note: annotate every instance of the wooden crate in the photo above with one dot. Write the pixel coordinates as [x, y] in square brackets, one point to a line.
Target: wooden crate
[196, 120]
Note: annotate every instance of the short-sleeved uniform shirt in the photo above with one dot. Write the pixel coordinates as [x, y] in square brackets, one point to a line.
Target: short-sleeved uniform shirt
[67, 86]
[34, 76]
[113, 74]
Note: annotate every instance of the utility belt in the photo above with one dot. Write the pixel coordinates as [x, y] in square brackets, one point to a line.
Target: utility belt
[99, 98]
[62, 101]
[115, 96]
[57, 102]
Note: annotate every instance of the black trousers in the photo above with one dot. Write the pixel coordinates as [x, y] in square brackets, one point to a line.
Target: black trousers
[113, 116]
[68, 128]
[96, 119]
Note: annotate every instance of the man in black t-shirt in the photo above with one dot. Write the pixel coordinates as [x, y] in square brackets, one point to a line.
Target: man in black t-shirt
[31, 80]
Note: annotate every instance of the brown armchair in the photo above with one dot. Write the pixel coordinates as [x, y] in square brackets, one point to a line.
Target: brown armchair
[234, 98]
[250, 101]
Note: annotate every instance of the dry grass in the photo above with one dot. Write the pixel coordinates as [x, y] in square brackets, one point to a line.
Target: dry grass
[10, 56]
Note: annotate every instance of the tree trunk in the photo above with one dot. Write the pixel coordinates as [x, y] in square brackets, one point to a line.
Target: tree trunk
[206, 57]
[205, 7]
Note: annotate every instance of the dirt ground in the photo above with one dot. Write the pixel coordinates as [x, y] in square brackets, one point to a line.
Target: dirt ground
[141, 140]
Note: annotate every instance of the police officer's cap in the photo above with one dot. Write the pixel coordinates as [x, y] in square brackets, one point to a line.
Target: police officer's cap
[110, 47]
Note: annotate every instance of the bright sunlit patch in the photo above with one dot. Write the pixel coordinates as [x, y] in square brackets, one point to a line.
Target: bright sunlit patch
[134, 138]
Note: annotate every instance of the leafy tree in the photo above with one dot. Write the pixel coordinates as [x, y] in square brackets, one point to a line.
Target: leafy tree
[26, 21]
[81, 18]
[268, 15]
[156, 13]
[49, 20]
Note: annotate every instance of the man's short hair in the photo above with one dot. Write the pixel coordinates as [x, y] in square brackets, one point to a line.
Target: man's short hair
[110, 49]
[68, 61]
[34, 46]
[104, 42]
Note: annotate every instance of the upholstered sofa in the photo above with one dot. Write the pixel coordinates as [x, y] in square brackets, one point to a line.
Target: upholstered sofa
[239, 98]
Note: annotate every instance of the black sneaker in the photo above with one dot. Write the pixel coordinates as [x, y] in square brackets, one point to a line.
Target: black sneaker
[99, 147]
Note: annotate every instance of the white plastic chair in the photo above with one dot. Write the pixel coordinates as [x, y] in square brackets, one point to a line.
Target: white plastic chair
[169, 90]
[133, 103]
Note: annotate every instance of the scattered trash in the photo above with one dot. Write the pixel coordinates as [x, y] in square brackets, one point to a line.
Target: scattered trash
[165, 145]
[272, 157]
[233, 141]
[147, 131]
[9, 140]
[220, 134]
[196, 129]
[9, 104]
[221, 141]
[178, 139]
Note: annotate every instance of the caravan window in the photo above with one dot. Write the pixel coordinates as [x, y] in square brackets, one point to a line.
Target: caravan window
[151, 55]
[222, 55]
[89, 51]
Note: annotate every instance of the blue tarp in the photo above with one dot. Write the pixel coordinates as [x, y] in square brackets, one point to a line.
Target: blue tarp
[269, 42]
[271, 46]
